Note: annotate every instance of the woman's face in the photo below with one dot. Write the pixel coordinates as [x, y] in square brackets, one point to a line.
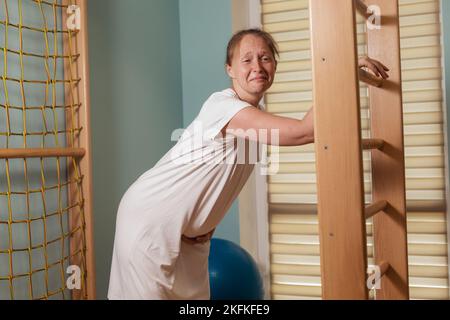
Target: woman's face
[253, 67]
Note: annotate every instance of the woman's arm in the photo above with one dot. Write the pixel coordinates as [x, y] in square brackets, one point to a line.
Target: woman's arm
[292, 132]
[308, 122]
[256, 125]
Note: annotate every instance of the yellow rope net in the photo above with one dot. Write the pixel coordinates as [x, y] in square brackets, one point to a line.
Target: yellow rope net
[42, 225]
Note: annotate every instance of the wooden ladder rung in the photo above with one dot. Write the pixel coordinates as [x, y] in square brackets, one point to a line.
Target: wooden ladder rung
[41, 153]
[362, 9]
[384, 267]
[369, 144]
[370, 79]
[374, 208]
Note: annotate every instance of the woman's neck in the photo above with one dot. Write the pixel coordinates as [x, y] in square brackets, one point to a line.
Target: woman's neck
[254, 100]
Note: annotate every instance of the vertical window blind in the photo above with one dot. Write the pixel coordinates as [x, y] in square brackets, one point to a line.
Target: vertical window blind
[294, 247]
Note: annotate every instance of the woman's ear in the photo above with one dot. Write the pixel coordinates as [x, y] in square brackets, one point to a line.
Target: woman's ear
[229, 71]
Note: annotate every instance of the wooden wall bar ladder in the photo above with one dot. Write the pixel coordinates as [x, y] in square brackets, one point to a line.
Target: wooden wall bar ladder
[341, 204]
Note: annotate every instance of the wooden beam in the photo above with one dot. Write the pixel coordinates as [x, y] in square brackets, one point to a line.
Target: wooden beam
[81, 243]
[384, 268]
[362, 9]
[388, 171]
[368, 144]
[374, 208]
[41, 153]
[343, 248]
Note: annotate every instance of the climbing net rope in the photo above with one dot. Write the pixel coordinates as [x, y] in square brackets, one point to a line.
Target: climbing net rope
[42, 205]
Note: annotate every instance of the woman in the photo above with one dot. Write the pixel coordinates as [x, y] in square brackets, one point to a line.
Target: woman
[166, 218]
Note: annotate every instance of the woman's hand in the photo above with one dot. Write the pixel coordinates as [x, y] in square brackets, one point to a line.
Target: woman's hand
[200, 239]
[375, 66]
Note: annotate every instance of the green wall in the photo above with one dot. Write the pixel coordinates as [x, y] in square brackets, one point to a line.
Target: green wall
[205, 28]
[136, 103]
[150, 74]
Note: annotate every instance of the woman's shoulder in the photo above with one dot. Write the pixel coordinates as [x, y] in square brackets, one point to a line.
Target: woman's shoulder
[220, 100]
[228, 96]
[223, 95]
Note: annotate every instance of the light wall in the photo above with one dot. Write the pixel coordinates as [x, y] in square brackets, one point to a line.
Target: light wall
[146, 81]
[136, 103]
[205, 28]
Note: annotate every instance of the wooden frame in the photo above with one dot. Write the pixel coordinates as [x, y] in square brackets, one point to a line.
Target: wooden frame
[388, 167]
[343, 248]
[79, 68]
[342, 215]
[41, 153]
[362, 8]
[342, 230]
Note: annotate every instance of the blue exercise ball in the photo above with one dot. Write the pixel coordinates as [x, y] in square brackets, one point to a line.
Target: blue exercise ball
[233, 273]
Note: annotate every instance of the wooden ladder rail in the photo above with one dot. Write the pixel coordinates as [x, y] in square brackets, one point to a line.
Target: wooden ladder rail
[341, 205]
[388, 167]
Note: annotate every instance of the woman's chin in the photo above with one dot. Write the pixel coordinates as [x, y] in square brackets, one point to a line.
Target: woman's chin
[259, 87]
